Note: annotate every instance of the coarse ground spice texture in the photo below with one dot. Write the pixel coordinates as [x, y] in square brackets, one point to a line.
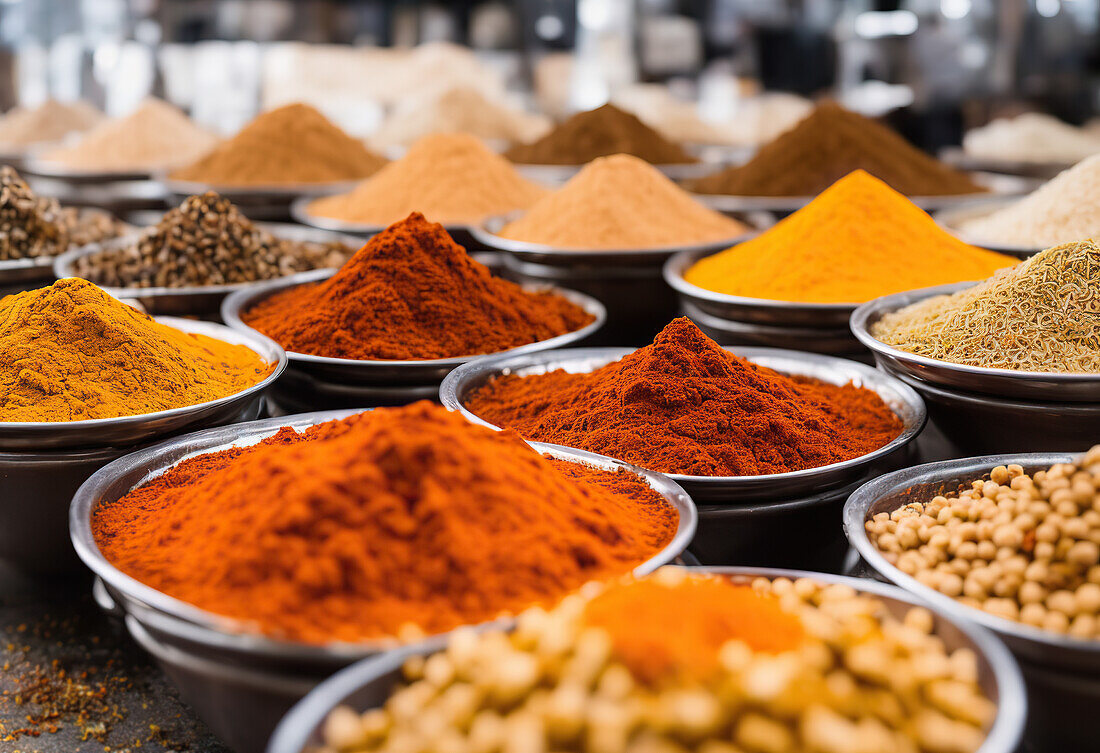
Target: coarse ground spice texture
[397, 521]
[291, 144]
[827, 145]
[70, 352]
[601, 132]
[412, 293]
[858, 240]
[685, 405]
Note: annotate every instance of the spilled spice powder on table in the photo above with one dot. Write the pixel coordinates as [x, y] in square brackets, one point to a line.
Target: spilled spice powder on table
[70, 352]
[620, 202]
[412, 293]
[393, 522]
[685, 405]
[827, 145]
[601, 132]
[858, 240]
[451, 178]
[291, 144]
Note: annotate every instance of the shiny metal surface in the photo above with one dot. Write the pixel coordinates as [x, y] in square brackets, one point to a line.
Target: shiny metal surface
[921, 483]
[950, 220]
[723, 489]
[34, 164]
[236, 193]
[129, 430]
[38, 269]
[998, 185]
[596, 258]
[753, 310]
[1028, 385]
[556, 175]
[299, 211]
[389, 373]
[202, 300]
[832, 341]
[956, 157]
[366, 685]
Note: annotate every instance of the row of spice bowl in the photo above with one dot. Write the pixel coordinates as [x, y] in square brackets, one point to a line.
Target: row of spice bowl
[241, 682]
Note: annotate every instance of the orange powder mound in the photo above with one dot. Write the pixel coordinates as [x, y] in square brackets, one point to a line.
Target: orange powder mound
[620, 202]
[452, 178]
[675, 631]
[858, 240]
[356, 528]
[291, 144]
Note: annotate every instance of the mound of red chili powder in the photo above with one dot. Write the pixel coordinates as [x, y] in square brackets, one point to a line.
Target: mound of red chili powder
[355, 529]
[412, 293]
[686, 405]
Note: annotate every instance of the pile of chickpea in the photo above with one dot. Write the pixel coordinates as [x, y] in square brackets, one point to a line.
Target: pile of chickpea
[861, 680]
[1018, 546]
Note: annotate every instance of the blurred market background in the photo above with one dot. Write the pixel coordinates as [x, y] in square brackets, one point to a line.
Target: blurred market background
[934, 68]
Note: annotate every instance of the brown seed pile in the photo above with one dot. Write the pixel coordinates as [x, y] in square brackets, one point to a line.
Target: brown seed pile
[206, 241]
[33, 226]
[1017, 546]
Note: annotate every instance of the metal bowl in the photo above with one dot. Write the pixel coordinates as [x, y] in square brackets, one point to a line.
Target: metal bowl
[28, 436]
[966, 420]
[831, 341]
[204, 300]
[599, 258]
[951, 220]
[389, 373]
[1029, 385]
[300, 392]
[723, 489]
[259, 202]
[35, 164]
[754, 310]
[997, 185]
[212, 658]
[556, 175]
[958, 158]
[37, 269]
[1061, 672]
[367, 685]
[299, 210]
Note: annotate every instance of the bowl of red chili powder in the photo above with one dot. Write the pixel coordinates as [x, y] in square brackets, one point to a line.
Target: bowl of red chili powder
[729, 424]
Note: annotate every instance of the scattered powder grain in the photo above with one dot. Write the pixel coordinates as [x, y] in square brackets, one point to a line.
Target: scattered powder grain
[450, 178]
[827, 145]
[291, 144]
[412, 293]
[601, 132]
[858, 240]
[1043, 315]
[49, 121]
[1064, 210]
[1031, 137]
[206, 241]
[620, 202]
[154, 136]
[33, 226]
[459, 110]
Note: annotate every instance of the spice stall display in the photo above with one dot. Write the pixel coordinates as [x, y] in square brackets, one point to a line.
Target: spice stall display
[827, 145]
[392, 523]
[452, 178]
[1031, 137]
[688, 662]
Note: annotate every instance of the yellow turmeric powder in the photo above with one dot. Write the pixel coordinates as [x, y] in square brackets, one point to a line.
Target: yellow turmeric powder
[70, 352]
[858, 240]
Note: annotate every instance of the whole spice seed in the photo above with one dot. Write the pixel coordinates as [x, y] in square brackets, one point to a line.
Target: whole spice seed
[1023, 547]
[857, 241]
[859, 679]
[206, 241]
[70, 352]
[685, 405]
[32, 226]
[827, 145]
[393, 522]
[412, 293]
[601, 132]
[1041, 315]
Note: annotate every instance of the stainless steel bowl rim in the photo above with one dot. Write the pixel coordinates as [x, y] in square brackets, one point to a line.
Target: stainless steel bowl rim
[35, 165]
[239, 300]
[63, 264]
[292, 734]
[448, 395]
[949, 219]
[209, 329]
[273, 191]
[888, 304]
[299, 210]
[863, 498]
[223, 629]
